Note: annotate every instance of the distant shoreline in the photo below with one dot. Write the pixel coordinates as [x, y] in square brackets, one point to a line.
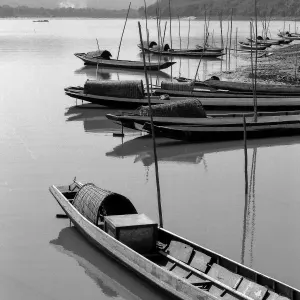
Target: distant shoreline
[133, 18]
[9, 12]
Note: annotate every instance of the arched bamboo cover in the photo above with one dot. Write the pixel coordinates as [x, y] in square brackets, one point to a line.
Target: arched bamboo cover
[113, 88]
[94, 203]
[177, 86]
[104, 54]
[189, 108]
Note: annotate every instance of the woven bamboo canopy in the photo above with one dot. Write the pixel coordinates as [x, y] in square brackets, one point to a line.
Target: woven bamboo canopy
[113, 88]
[94, 203]
[177, 86]
[104, 54]
[189, 108]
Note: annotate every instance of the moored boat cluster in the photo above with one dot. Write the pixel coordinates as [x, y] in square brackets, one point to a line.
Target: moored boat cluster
[180, 110]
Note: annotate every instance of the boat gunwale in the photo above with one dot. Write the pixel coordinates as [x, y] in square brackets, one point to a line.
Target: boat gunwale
[62, 200]
[214, 121]
[122, 63]
[206, 250]
[154, 280]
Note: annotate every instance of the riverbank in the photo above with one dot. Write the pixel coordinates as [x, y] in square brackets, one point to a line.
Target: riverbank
[278, 66]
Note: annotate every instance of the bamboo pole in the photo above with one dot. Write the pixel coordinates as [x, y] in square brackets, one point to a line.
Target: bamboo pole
[179, 31]
[123, 30]
[255, 69]
[97, 63]
[245, 154]
[227, 43]
[236, 37]
[163, 40]
[230, 38]
[296, 66]
[153, 135]
[189, 33]
[147, 31]
[171, 42]
[252, 69]
[204, 37]
[221, 28]
[198, 66]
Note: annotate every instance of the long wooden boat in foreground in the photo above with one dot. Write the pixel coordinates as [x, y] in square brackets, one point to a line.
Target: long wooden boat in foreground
[98, 59]
[174, 264]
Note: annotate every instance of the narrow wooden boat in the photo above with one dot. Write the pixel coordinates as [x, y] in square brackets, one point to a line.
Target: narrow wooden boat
[289, 36]
[209, 48]
[260, 88]
[188, 53]
[268, 126]
[180, 52]
[225, 94]
[254, 46]
[115, 101]
[265, 42]
[176, 265]
[209, 101]
[219, 126]
[94, 59]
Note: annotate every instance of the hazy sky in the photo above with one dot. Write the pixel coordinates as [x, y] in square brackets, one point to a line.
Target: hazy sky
[110, 4]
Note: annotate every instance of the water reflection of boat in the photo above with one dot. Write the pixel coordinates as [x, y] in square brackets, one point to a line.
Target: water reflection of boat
[113, 280]
[179, 152]
[107, 73]
[141, 148]
[93, 118]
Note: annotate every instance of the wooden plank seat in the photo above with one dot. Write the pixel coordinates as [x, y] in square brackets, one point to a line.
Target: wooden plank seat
[179, 271]
[252, 289]
[273, 296]
[180, 251]
[200, 261]
[225, 276]
[227, 285]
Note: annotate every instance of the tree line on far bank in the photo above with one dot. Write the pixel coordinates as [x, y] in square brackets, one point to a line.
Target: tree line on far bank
[7, 11]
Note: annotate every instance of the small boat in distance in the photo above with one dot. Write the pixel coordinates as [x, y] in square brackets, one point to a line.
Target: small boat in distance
[254, 46]
[40, 21]
[174, 264]
[103, 59]
[209, 48]
[289, 36]
[166, 50]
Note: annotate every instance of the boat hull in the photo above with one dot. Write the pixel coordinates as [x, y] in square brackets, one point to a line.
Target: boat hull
[209, 103]
[261, 89]
[186, 53]
[216, 127]
[199, 134]
[123, 64]
[137, 263]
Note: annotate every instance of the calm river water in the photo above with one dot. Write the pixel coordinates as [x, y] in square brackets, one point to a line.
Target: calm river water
[45, 140]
